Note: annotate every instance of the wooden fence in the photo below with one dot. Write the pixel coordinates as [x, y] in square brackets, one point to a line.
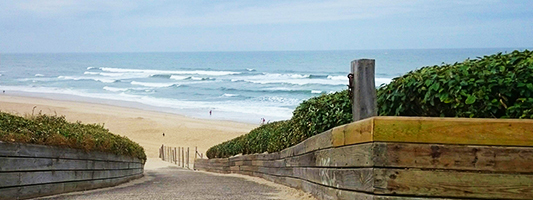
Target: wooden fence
[178, 155]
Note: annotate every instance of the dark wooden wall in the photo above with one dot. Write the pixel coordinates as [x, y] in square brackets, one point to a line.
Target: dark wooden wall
[402, 158]
[28, 171]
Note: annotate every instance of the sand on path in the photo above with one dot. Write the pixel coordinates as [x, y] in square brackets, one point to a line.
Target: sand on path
[142, 126]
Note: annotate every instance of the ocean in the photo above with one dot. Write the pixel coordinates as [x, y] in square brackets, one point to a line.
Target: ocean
[236, 86]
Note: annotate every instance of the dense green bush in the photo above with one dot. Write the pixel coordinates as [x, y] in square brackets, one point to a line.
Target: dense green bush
[269, 137]
[496, 86]
[322, 113]
[311, 117]
[57, 131]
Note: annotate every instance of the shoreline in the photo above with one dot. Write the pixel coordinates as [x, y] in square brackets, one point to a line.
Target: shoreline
[145, 127]
[195, 113]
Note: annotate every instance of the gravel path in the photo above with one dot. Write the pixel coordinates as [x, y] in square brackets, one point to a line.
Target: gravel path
[175, 183]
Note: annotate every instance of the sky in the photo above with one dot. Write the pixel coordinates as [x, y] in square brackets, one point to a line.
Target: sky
[50, 26]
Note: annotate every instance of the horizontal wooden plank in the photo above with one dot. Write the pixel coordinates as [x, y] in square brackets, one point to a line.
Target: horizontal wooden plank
[349, 179]
[360, 179]
[353, 133]
[453, 184]
[457, 157]
[11, 179]
[271, 163]
[33, 191]
[27, 163]
[316, 142]
[501, 132]
[43, 151]
[345, 156]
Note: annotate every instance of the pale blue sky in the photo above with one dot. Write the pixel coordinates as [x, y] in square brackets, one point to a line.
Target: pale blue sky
[224, 25]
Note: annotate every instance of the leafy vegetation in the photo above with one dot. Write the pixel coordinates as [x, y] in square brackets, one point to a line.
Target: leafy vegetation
[57, 131]
[495, 86]
[311, 117]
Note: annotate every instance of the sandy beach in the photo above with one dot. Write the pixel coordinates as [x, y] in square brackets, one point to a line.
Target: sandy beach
[142, 126]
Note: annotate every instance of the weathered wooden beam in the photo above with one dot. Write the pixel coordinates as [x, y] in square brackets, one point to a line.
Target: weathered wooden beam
[364, 91]
[457, 157]
[501, 132]
[449, 183]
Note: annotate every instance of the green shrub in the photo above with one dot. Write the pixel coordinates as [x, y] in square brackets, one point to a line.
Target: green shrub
[57, 131]
[311, 117]
[496, 86]
[322, 113]
[282, 135]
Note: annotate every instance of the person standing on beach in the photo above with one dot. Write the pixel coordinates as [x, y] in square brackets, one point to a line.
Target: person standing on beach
[210, 111]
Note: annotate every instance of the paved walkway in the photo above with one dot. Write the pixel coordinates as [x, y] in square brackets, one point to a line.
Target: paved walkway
[176, 183]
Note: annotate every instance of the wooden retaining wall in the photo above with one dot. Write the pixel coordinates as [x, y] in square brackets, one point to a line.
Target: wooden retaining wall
[28, 171]
[402, 158]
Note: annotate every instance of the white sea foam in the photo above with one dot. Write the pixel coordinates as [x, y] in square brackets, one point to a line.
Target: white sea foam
[89, 68]
[297, 81]
[152, 72]
[91, 73]
[266, 109]
[105, 80]
[114, 89]
[294, 79]
[39, 75]
[316, 91]
[299, 76]
[75, 78]
[342, 78]
[176, 77]
[112, 74]
[154, 85]
[230, 95]
[250, 70]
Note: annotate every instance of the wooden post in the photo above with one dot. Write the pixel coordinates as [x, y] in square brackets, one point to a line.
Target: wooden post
[182, 156]
[175, 157]
[364, 91]
[188, 158]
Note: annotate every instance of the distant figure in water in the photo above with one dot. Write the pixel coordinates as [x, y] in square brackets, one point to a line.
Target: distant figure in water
[210, 112]
[163, 134]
